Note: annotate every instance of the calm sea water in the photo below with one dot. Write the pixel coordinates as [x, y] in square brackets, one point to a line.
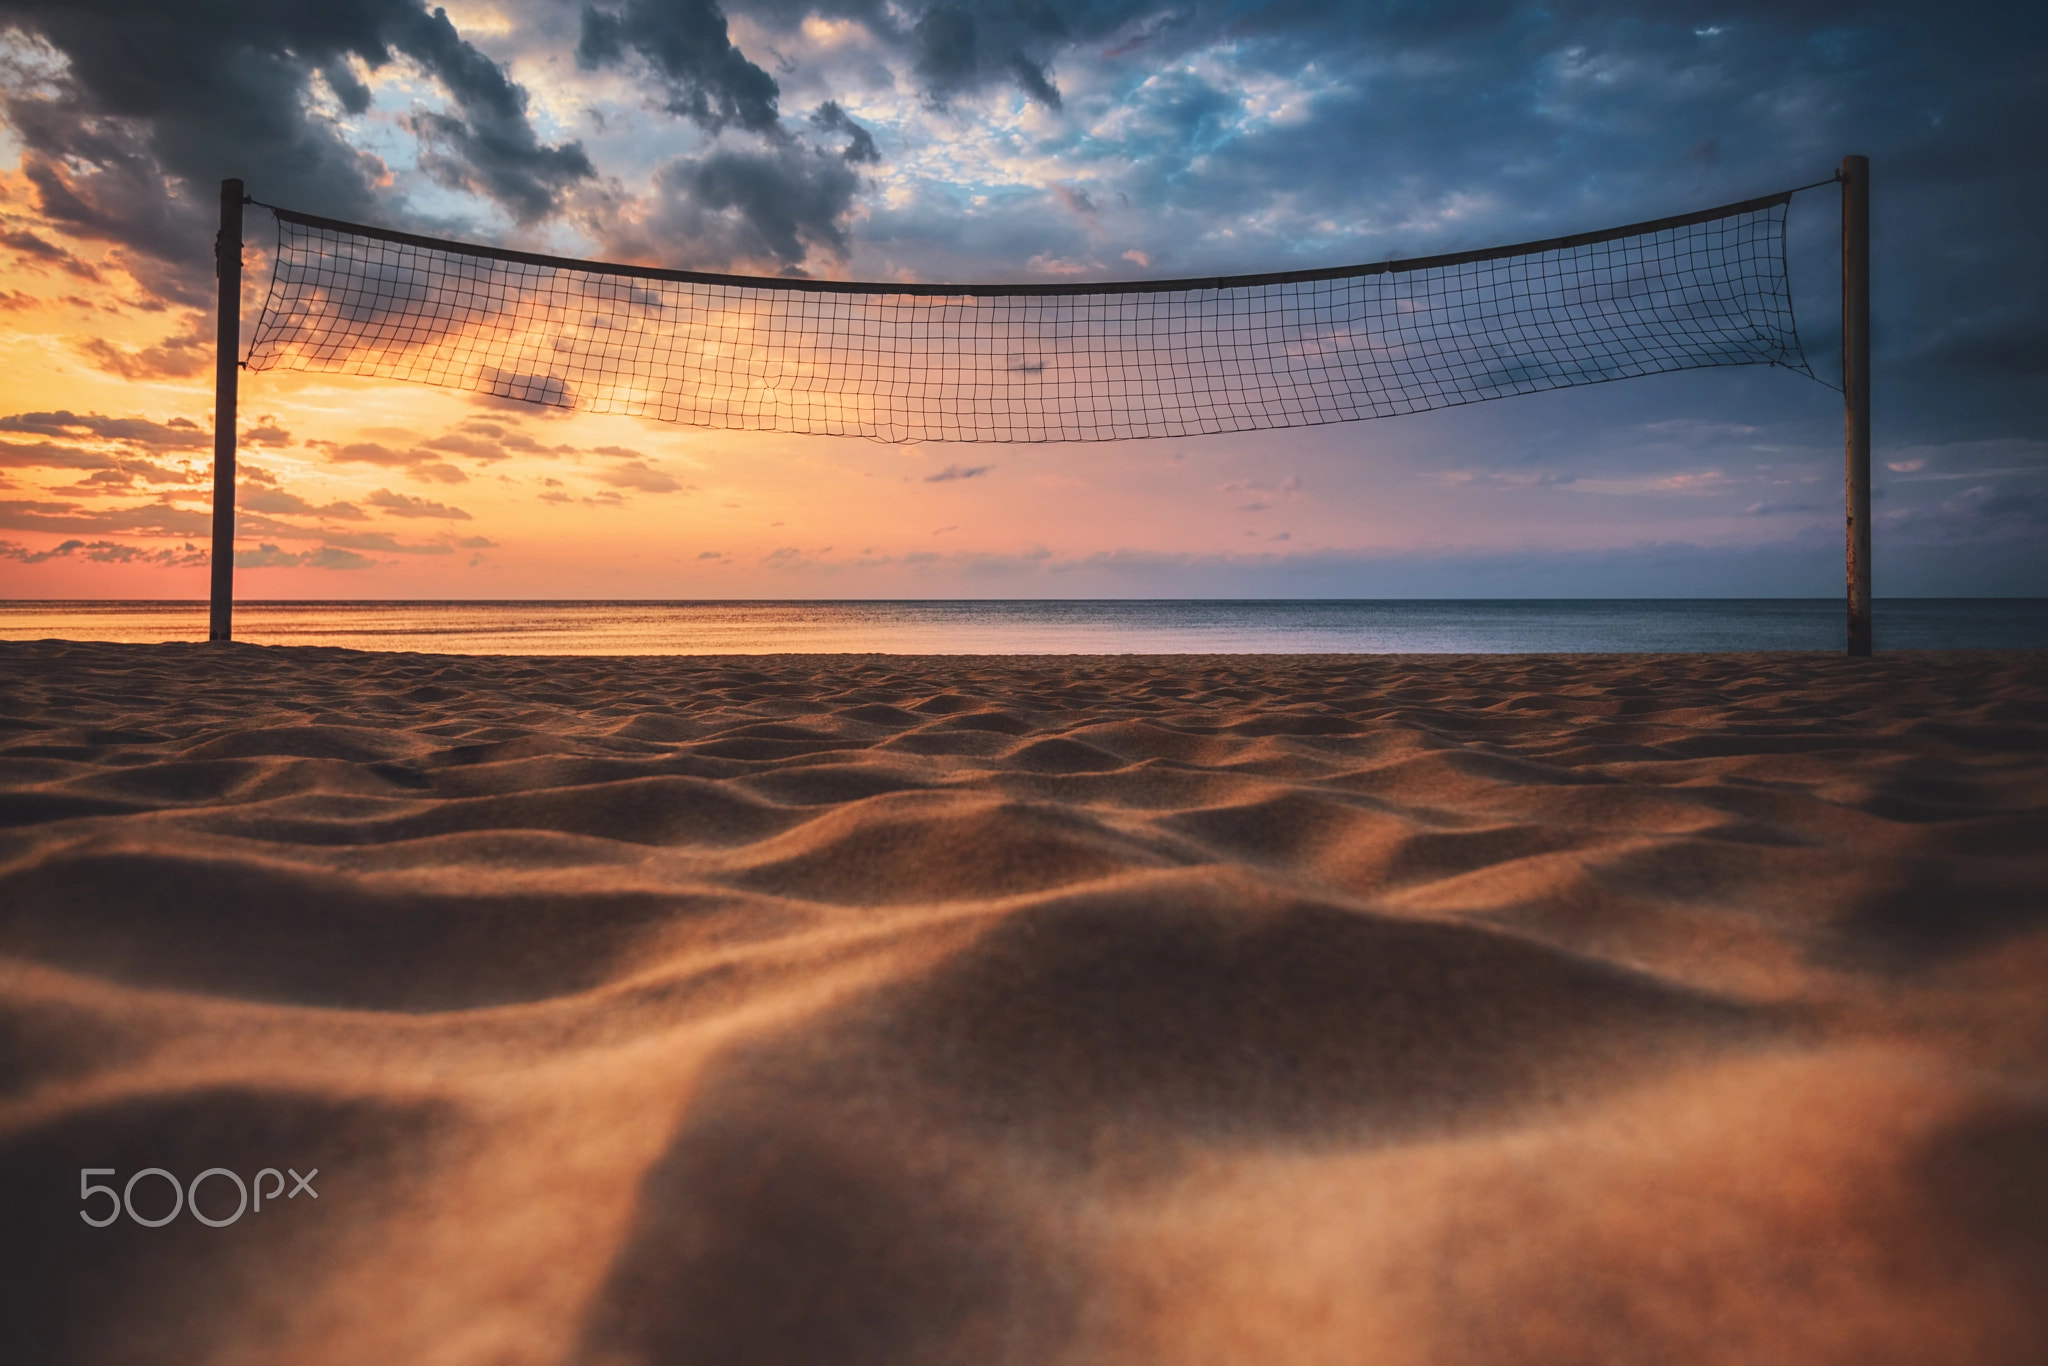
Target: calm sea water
[1039, 627]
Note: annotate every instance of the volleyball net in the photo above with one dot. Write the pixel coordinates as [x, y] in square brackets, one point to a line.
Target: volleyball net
[1033, 362]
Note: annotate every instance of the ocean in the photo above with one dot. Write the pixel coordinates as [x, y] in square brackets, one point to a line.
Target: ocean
[1320, 626]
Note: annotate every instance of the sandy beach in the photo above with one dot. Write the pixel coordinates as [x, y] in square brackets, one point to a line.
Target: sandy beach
[876, 1009]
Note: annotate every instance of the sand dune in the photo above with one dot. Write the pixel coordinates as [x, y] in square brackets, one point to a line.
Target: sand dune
[851, 1009]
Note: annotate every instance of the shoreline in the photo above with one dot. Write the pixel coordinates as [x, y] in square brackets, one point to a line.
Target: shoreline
[1064, 627]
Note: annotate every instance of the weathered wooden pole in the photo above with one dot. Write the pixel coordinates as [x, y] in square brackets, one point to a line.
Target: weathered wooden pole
[227, 341]
[1856, 389]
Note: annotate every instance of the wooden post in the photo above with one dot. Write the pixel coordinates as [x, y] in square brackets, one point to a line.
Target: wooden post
[1856, 389]
[227, 341]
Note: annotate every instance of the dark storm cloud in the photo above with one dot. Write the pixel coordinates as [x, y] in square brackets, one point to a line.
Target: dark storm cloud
[685, 42]
[772, 202]
[773, 205]
[156, 101]
[832, 119]
[963, 47]
[955, 47]
[493, 149]
[36, 249]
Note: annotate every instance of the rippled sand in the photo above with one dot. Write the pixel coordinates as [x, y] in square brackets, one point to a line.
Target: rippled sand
[1038, 1010]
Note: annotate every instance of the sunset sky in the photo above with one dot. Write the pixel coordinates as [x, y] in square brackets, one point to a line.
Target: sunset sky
[1027, 140]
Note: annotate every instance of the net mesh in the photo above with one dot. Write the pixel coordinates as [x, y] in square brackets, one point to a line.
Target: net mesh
[1033, 362]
